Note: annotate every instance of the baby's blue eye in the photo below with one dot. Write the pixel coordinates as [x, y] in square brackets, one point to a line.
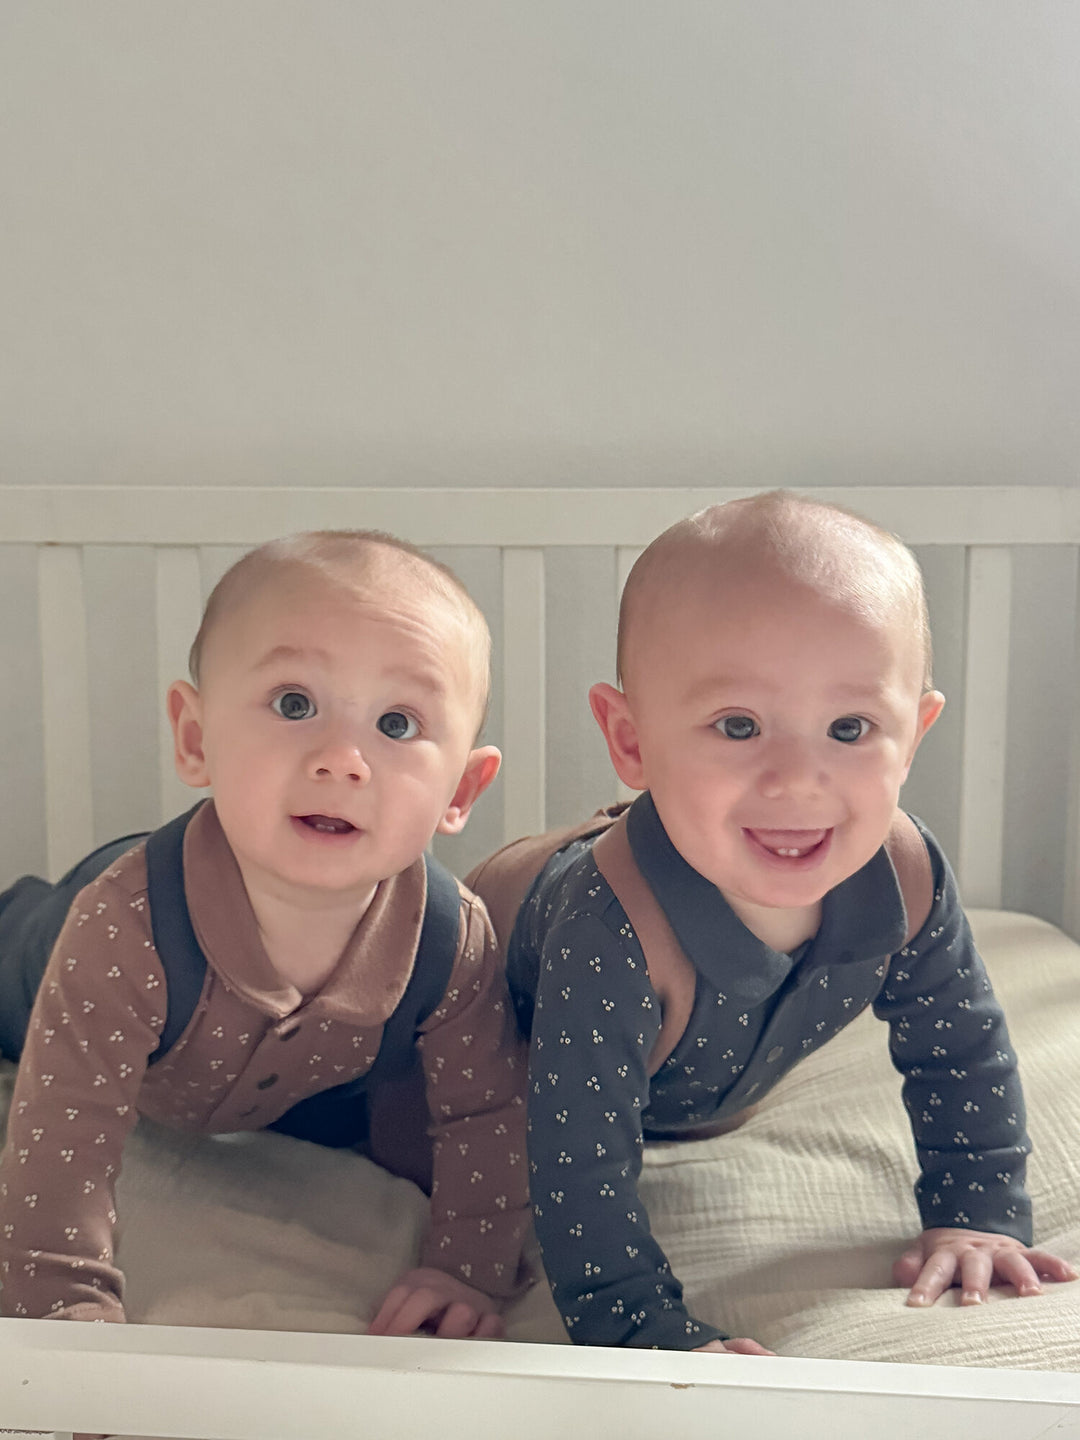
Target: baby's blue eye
[397, 725]
[293, 705]
[737, 727]
[848, 729]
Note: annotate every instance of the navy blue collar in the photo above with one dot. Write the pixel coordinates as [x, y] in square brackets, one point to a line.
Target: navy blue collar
[862, 918]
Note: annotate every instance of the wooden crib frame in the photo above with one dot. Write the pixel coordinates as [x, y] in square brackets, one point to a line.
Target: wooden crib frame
[258, 1385]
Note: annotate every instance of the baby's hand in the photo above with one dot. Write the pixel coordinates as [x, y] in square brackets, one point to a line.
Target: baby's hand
[732, 1347]
[972, 1259]
[441, 1305]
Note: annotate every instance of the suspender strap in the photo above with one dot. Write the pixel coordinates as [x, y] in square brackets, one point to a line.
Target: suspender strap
[440, 934]
[32, 914]
[504, 880]
[671, 973]
[907, 850]
[397, 1114]
[394, 1132]
[615, 861]
[178, 950]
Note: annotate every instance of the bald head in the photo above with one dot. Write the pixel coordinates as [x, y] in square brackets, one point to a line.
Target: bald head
[366, 563]
[841, 558]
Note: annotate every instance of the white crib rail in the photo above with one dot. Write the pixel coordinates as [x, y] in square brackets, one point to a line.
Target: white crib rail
[261, 1385]
[521, 524]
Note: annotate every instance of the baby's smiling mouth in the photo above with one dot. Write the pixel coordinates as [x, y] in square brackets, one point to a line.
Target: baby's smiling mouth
[789, 844]
[326, 824]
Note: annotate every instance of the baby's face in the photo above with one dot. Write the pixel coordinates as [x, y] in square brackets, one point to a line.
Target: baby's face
[775, 730]
[335, 729]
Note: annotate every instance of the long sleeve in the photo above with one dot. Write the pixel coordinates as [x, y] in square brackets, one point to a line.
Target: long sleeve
[96, 1020]
[594, 1026]
[475, 1065]
[949, 1040]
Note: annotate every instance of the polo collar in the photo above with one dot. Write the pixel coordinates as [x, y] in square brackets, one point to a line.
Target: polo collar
[862, 918]
[367, 983]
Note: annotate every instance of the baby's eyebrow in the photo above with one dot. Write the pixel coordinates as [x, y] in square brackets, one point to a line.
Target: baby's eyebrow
[430, 680]
[716, 685]
[744, 687]
[850, 693]
[281, 653]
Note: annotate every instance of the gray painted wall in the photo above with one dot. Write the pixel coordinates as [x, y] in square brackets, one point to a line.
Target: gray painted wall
[501, 242]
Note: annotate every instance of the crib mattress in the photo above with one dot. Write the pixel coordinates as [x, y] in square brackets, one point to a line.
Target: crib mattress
[784, 1230]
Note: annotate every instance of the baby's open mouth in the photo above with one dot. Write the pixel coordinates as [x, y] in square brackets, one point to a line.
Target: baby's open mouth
[326, 824]
[789, 844]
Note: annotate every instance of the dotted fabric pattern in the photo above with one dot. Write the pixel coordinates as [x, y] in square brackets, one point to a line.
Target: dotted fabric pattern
[581, 982]
[245, 1058]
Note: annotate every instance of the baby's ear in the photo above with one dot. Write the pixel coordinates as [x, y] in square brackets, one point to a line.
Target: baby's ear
[931, 705]
[480, 770]
[185, 716]
[612, 712]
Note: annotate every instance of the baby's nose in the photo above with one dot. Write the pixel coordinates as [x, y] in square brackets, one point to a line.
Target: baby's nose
[792, 768]
[340, 758]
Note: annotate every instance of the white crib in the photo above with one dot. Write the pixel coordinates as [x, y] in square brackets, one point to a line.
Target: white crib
[105, 586]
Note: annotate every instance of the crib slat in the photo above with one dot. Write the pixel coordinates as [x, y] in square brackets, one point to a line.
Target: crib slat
[178, 586]
[524, 692]
[69, 818]
[986, 690]
[1071, 903]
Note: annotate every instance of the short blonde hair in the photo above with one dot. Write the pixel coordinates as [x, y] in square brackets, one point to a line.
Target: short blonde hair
[822, 546]
[350, 558]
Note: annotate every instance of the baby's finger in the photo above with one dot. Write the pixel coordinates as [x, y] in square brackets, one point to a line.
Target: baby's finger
[905, 1270]
[410, 1313]
[458, 1322]
[1051, 1267]
[384, 1316]
[392, 1302]
[1016, 1268]
[742, 1346]
[491, 1327]
[934, 1279]
[976, 1272]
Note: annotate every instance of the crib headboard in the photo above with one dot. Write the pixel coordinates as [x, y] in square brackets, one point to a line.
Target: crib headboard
[104, 585]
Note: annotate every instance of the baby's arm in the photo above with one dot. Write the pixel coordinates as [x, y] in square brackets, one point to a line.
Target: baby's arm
[474, 1063]
[94, 1023]
[594, 1026]
[966, 1107]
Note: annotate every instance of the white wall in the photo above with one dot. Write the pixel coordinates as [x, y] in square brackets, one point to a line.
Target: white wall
[499, 241]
